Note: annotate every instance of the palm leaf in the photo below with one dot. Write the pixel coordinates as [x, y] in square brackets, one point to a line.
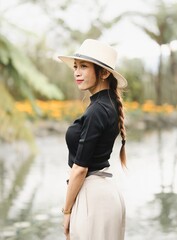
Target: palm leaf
[151, 34]
[26, 71]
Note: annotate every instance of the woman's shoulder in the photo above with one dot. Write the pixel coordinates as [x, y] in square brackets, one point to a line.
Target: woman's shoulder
[97, 107]
[96, 110]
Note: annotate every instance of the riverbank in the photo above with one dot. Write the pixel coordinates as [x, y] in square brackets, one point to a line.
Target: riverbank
[134, 120]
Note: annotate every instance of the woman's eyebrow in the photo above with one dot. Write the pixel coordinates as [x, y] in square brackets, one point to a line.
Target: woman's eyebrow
[80, 61]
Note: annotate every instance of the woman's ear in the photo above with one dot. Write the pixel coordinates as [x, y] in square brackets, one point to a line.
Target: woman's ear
[105, 74]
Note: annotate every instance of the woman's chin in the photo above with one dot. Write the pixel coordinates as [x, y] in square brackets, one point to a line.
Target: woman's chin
[82, 88]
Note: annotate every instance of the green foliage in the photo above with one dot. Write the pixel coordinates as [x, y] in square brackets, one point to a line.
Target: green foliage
[22, 78]
[63, 77]
[134, 72]
[160, 25]
[12, 123]
[25, 76]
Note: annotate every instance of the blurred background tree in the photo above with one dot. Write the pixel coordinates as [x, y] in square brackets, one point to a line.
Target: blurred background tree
[28, 67]
[19, 79]
[66, 38]
[136, 75]
[160, 26]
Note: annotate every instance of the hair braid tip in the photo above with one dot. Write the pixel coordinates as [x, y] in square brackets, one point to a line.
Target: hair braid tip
[123, 142]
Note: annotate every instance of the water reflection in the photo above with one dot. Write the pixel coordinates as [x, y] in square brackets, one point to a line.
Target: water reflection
[7, 198]
[166, 198]
[151, 195]
[32, 188]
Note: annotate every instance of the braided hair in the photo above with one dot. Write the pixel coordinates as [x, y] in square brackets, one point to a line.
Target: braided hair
[113, 84]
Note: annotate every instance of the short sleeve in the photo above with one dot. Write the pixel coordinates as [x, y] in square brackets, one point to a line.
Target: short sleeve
[94, 123]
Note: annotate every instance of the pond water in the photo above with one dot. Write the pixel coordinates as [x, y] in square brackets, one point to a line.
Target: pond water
[32, 189]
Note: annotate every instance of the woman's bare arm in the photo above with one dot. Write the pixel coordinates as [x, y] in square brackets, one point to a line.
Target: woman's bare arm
[76, 180]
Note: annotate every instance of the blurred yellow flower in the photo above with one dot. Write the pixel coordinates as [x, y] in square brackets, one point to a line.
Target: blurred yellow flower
[70, 109]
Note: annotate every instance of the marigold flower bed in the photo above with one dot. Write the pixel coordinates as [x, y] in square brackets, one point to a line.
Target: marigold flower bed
[70, 109]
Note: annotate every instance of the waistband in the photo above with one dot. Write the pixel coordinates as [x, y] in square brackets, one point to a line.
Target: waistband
[99, 173]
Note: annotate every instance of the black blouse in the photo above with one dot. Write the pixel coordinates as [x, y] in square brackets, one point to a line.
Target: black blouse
[91, 137]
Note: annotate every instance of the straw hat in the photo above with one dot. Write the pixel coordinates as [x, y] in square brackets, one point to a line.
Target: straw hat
[99, 53]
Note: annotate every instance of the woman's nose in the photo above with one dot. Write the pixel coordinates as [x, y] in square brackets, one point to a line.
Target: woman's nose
[77, 72]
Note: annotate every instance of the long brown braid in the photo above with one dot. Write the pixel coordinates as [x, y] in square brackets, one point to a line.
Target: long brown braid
[113, 84]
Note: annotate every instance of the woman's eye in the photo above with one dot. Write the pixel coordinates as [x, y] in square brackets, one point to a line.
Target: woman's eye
[75, 67]
[83, 66]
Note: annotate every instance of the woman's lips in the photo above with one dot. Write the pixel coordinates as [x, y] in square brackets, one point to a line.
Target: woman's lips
[79, 81]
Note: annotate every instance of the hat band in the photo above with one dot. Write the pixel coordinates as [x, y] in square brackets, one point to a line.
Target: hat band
[92, 59]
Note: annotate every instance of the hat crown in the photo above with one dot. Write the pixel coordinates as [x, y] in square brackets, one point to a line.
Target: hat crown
[99, 51]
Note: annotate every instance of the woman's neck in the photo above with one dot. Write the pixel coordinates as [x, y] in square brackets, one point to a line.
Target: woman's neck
[102, 86]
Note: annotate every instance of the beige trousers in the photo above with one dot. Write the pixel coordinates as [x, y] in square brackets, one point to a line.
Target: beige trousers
[98, 212]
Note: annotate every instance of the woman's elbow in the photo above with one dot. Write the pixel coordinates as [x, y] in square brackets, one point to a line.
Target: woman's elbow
[80, 170]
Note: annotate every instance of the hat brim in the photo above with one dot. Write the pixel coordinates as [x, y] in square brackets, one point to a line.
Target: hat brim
[69, 60]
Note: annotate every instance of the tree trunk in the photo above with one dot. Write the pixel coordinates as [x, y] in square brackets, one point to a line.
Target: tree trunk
[173, 77]
[158, 84]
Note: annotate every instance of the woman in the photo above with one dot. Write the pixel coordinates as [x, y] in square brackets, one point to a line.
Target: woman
[94, 208]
